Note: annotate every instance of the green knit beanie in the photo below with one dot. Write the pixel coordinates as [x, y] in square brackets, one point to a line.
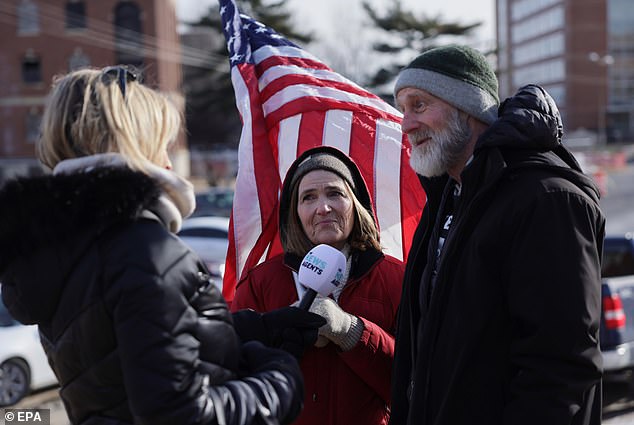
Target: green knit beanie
[459, 75]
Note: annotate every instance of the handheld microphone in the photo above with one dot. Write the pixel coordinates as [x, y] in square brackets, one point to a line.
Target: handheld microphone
[321, 272]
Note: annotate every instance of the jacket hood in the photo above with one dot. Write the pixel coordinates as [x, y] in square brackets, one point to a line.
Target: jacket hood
[529, 119]
[360, 188]
[528, 132]
[48, 222]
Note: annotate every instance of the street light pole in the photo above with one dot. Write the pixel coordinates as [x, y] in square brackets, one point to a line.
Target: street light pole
[606, 61]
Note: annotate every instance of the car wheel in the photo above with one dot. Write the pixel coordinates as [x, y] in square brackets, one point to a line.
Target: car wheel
[14, 381]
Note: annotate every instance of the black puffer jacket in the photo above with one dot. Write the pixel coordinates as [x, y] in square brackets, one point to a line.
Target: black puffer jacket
[132, 328]
[509, 334]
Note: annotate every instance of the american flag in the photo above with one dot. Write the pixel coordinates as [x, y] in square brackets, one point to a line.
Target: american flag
[290, 101]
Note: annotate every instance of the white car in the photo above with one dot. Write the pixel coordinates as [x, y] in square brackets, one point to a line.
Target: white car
[209, 238]
[23, 363]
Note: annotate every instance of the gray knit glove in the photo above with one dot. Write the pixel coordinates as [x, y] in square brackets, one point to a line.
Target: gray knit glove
[342, 328]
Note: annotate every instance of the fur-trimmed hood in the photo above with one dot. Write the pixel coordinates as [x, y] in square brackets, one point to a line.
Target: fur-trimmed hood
[47, 222]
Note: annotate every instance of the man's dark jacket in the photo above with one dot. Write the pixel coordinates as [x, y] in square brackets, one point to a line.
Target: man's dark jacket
[509, 334]
[131, 325]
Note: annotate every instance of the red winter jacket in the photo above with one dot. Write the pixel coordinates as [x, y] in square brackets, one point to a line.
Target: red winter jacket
[341, 388]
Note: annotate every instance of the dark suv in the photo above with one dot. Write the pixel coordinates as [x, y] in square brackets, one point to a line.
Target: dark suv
[617, 318]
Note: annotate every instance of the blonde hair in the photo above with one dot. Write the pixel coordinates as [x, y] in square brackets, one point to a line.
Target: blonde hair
[364, 232]
[87, 113]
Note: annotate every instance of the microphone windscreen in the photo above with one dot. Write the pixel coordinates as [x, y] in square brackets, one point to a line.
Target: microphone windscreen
[322, 269]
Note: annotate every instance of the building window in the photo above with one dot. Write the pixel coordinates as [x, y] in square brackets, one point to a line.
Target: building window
[31, 69]
[540, 48]
[128, 34]
[78, 60]
[548, 21]
[28, 19]
[33, 120]
[620, 17]
[75, 15]
[523, 8]
[546, 72]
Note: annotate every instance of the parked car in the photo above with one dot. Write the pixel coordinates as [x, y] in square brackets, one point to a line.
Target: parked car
[617, 319]
[23, 363]
[209, 238]
[215, 202]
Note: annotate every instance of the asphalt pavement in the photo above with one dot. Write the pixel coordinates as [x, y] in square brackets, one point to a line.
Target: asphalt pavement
[618, 404]
[47, 399]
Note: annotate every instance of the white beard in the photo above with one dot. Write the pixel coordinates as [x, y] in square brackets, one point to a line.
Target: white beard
[443, 151]
[427, 159]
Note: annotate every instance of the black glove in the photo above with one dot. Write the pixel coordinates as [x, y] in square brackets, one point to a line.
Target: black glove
[290, 328]
[292, 322]
[296, 340]
[258, 358]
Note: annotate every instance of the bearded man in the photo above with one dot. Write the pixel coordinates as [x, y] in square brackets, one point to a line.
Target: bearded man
[499, 316]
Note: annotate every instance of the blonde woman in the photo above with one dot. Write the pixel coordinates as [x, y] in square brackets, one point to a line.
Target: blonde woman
[132, 328]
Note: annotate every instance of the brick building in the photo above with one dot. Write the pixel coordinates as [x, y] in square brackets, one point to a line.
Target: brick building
[43, 38]
[581, 52]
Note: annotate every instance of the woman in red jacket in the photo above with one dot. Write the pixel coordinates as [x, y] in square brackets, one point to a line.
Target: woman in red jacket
[347, 373]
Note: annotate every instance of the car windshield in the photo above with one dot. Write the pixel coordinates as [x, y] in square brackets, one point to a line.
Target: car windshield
[618, 259]
[214, 202]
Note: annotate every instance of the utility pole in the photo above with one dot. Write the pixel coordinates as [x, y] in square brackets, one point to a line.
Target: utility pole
[602, 95]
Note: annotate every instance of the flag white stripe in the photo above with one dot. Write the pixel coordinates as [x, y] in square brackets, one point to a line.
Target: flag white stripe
[290, 93]
[387, 159]
[337, 129]
[279, 71]
[246, 209]
[265, 52]
[287, 140]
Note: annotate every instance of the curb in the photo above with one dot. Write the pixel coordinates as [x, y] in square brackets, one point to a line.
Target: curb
[38, 399]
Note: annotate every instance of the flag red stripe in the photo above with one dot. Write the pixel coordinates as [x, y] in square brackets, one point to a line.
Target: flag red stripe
[302, 104]
[265, 175]
[412, 197]
[309, 65]
[277, 60]
[311, 130]
[230, 278]
[274, 134]
[295, 79]
[362, 139]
